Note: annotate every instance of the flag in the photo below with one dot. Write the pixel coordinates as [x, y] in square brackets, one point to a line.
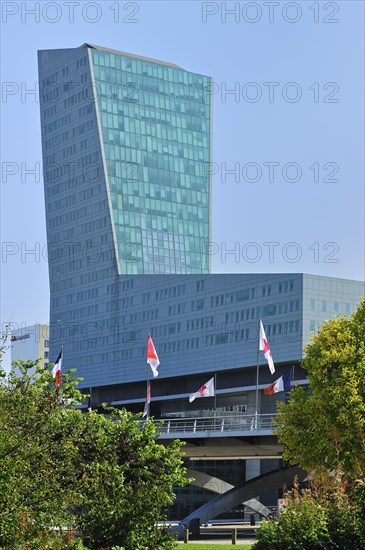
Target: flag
[89, 409]
[152, 357]
[56, 371]
[264, 346]
[282, 384]
[148, 400]
[207, 390]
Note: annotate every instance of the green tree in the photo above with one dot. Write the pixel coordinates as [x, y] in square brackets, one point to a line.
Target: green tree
[104, 475]
[33, 486]
[324, 425]
[322, 428]
[125, 478]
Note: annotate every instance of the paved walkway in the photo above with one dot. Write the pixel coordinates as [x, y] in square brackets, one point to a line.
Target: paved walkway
[222, 534]
[227, 541]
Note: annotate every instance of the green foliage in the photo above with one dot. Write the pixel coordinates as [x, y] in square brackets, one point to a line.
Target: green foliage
[346, 513]
[327, 515]
[302, 525]
[207, 546]
[326, 425]
[126, 478]
[33, 465]
[62, 472]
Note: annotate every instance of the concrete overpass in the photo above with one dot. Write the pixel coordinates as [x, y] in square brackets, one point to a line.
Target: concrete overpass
[224, 438]
[250, 425]
[232, 449]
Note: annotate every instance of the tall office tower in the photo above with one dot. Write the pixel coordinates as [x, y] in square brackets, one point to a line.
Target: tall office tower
[126, 149]
[126, 152]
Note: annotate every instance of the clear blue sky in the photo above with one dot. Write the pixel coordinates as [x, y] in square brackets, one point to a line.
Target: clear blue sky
[322, 53]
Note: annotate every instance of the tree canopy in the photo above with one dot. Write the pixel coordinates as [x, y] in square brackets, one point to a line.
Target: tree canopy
[62, 472]
[322, 428]
[324, 425]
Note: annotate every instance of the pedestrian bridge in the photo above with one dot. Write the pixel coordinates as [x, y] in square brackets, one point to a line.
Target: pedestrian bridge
[227, 437]
[216, 426]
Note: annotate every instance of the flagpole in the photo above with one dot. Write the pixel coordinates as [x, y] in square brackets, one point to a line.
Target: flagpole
[148, 381]
[61, 367]
[215, 392]
[147, 403]
[257, 376]
[91, 399]
[215, 398]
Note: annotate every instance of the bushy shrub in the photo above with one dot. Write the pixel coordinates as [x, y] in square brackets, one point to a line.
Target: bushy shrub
[346, 516]
[303, 524]
[329, 515]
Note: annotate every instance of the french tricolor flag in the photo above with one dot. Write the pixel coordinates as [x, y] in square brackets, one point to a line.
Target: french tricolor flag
[56, 371]
[281, 384]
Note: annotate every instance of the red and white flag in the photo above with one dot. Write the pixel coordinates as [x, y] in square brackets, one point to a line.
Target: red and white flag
[148, 401]
[56, 371]
[264, 346]
[207, 390]
[152, 357]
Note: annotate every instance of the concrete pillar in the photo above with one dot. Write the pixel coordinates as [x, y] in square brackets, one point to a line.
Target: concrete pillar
[252, 469]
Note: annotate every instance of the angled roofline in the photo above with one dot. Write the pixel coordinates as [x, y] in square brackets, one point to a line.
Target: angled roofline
[133, 56]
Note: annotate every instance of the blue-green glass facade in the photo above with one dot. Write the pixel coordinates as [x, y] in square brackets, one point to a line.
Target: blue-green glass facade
[155, 124]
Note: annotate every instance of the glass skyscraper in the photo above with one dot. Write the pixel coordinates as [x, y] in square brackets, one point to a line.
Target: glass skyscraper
[126, 149]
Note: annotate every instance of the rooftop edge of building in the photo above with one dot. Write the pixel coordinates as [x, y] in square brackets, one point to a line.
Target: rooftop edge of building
[134, 56]
[126, 54]
[302, 274]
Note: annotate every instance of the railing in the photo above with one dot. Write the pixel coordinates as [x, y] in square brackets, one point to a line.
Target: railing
[244, 423]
